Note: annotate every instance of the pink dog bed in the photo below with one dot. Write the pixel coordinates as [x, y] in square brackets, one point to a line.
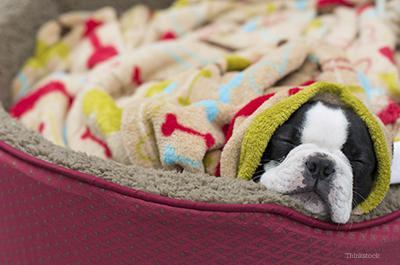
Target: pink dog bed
[54, 215]
[64, 207]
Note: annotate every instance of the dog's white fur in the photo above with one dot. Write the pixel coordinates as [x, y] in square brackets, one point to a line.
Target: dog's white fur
[325, 127]
[324, 132]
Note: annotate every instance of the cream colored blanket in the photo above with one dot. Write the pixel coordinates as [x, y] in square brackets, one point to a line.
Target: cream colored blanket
[159, 89]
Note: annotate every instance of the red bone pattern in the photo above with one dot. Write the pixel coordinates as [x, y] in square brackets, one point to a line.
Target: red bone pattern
[91, 24]
[41, 127]
[390, 114]
[88, 134]
[332, 69]
[362, 8]
[101, 53]
[28, 103]
[363, 61]
[339, 59]
[169, 35]
[387, 52]
[171, 124]
[372, 33]
[136, 75]
[334, 62]
[324, 3]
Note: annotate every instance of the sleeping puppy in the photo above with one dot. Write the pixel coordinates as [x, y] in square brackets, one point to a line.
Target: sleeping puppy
[322, 157]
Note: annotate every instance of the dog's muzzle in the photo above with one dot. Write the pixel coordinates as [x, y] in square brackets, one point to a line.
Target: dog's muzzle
[322, 191]
[321, 180]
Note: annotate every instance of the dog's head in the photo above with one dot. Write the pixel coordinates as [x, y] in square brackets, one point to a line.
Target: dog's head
[323, 157]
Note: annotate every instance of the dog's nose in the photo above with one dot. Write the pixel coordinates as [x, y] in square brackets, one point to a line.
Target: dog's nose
[320, 167]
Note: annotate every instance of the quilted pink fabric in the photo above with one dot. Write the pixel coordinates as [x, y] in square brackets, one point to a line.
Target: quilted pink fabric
[53, 215]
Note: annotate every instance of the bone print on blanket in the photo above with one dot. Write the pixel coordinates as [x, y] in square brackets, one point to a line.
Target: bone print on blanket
[159, 89]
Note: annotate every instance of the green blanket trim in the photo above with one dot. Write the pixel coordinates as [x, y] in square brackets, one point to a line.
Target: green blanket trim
[264, 125]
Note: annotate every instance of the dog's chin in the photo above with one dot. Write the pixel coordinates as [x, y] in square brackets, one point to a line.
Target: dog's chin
[312, 202]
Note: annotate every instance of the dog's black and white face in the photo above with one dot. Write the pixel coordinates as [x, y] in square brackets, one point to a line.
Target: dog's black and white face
[322, 157]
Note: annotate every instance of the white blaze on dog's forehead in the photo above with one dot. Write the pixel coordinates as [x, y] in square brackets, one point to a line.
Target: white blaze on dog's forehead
[325, 127]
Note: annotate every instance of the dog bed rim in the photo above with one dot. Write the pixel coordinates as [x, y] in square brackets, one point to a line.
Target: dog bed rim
[200, 206]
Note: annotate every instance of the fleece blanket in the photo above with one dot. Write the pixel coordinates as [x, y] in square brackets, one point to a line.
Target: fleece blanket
[160, 89]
